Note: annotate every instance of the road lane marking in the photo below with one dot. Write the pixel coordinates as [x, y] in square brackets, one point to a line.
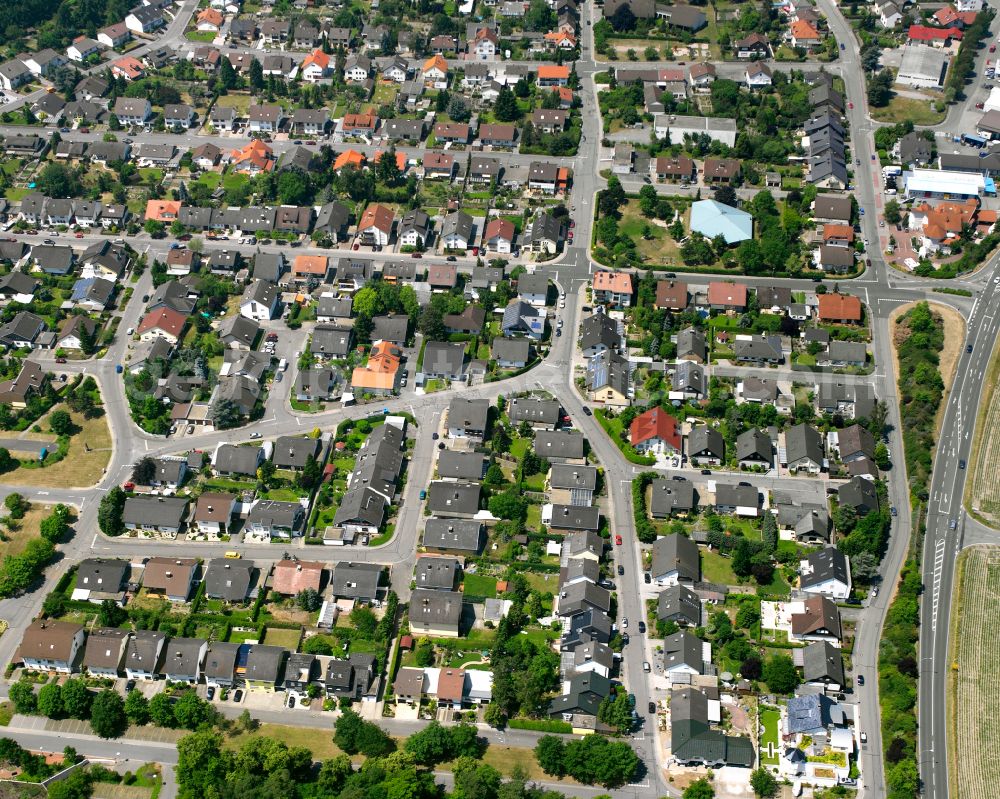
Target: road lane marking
[936, 591]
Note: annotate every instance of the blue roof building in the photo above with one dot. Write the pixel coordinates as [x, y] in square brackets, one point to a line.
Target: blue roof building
[712, 219]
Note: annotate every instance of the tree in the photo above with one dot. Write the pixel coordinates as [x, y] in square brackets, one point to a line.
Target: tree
[17, 505]
[161, 711]
[294, 187]
[109, 514]
[23, 697]
[431, 745]
[226, 414]
[76, 698]
[699, 789]
[763, 783]
[310, 475]
[308, 599]
[7, 461]
[458, 110]
[616, 711]
[505, 108]
[77, 785]
[192, 712]
[50, 700]
[107, 715]
[741, 558]
[892, 213]
[256, 75]
[494, 475]
[353, 734]
[510, 505]
[144, 471]
[61, 423]
[363, 621]
[333, 774]
[882, 456]
[136, 707]
[550, 752]
[495, 716]
[751, 667]
[780, 674]
[769, 532]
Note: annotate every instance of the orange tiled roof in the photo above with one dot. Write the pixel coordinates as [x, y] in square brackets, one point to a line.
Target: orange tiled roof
[553, 72]
[212, 16]
[839, 232]
[309, 265]
[349, 158]
[435, 61]
[317, 57]
[380, 372]
[840, 306]
[619, 282]
[163, 210]
[378, 216]
[803, 30]
[365, 121]
[255, 154]
[400, 159]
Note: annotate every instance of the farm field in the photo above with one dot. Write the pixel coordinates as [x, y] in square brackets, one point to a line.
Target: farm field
[982, 496]
[973, 679]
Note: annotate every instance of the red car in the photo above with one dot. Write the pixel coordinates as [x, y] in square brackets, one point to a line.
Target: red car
[851, 106]
[572, 224]
[618, 540]
[570, 236]
[60, 360]
[128, 486]
[416, 255]
[79, 235]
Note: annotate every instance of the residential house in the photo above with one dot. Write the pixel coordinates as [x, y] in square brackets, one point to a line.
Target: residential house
[143, 655]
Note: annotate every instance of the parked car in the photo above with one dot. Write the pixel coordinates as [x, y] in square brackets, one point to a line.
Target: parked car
[618, 540]
[210, 693]
[642, 626]
[621, 570]
[646, 667]
[625, 622]
[238, 695]
[861, 679]
[652, 708]
[646, 578]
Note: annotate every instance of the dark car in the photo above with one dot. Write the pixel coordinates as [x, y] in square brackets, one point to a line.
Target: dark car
[621, 571]
[861, 679]
[642, 626]
[679, 479]
[451, 258]
[238, 695]
[961, 464]
[893, 511]
[968, 348]
[652, 708]
[130, 686]
[210, 693]
[587, 411]
[434, 436]
[706, 471]
[646, 578]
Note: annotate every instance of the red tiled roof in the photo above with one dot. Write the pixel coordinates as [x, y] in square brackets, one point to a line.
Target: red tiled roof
[655, 423]
[840, 306]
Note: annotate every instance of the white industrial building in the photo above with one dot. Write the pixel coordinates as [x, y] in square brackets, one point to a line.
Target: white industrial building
[938, 184]
[720, 130]
[922, 67]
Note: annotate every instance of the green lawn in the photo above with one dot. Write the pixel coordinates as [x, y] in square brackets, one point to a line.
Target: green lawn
[717, 569]
[480, 585]
[769, 718]
[534, 520]
[534, 482]
[519, 447]
[151, 172]
[901, 109]
[201, 36]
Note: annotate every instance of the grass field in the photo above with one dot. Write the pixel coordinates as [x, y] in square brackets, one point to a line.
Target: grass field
[982, 493]
[770, 718]
[901, 109]
[89, 453]
[974, 682]
[14, 541]
[659, 248]
[717, 569]
[318, 742]
[480, 585]
[286, 638]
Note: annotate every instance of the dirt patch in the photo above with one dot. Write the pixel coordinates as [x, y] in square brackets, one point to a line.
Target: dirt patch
[954, 340]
